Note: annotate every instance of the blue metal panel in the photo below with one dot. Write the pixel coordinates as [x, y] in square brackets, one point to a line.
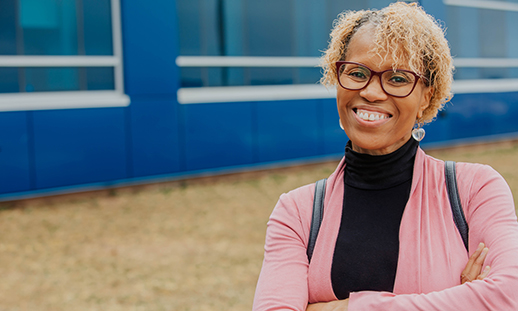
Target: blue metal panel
[438, 130]
[79, 146]
[334, 137]
[14, 152]
[288, 129]
[150, 47]
[472, 115]
[154, 136]
[218, 135]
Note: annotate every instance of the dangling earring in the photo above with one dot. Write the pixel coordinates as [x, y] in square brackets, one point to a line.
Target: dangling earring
[340, 122]
[418, 132]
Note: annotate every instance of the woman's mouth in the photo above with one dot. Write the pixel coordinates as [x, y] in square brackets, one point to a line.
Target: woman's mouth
[371, 115]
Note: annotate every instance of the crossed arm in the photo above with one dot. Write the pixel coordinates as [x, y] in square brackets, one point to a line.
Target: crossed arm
[474, 270]
[283, 283]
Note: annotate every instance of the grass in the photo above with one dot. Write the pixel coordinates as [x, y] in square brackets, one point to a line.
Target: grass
[191, 245]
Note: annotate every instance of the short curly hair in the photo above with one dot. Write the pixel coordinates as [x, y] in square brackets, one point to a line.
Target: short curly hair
[409, 35]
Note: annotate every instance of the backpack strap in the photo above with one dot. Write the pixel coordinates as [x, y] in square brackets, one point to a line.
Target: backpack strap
[456, 207]
[453, 194]
[318, 214]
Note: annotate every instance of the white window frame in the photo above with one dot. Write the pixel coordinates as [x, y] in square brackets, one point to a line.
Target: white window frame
[71, 99]
[203, 95]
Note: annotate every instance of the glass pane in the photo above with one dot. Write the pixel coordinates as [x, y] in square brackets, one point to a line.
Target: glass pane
[56, 79]
[463, 31]
[494, 73]
[257, 28]
[51, 79]
[493, 33]
[61, 27]
[191, 77]
[512, 40]
[9, 80]
[269, 28]
[49, 27]
[7, 27]
[467, 73]
[309, 75]
[97, 30]
[267, 76]
[189, 26]
[380, 4]
[100, 78]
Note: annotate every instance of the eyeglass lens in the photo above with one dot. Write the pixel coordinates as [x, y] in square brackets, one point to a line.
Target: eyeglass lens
[394, 82]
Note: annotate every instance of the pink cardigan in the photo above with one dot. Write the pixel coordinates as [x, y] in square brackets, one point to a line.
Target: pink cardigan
[431, 255]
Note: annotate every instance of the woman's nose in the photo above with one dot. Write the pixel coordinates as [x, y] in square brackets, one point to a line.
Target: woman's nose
[373, 91]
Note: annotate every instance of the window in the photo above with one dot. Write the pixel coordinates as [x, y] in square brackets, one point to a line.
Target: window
[483, 42]
[249, 43]
[60, 54]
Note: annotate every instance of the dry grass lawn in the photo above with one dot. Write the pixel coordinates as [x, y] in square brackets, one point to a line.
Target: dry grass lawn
[192, 245]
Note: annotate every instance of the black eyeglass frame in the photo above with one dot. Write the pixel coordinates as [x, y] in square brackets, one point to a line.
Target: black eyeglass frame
[377, 73]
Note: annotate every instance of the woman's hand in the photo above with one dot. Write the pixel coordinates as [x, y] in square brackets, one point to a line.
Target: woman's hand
[337, 305]
[473, 270]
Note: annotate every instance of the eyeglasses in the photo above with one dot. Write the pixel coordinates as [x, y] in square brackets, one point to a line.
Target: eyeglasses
[394, 82]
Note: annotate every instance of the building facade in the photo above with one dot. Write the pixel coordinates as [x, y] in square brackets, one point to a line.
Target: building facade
[104, 93]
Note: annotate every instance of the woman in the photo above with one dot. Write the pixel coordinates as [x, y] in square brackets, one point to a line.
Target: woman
[388, 240]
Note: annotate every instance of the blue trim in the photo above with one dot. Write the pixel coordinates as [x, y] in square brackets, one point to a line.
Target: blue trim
[166, 178]
[226, 170]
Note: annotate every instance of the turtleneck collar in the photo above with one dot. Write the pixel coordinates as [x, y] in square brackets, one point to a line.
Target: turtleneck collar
[368, 172]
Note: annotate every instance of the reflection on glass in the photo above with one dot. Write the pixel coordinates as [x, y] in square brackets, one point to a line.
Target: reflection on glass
[257, 28]
[50, 27]
[13, 80]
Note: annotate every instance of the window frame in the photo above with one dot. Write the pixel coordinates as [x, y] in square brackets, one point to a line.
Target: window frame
[248, 93]
[71, 99]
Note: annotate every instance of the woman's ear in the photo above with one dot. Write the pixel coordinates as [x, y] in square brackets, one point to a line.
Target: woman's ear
[425, 102]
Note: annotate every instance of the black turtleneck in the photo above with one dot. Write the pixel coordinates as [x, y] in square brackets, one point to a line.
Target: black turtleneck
[376, 190]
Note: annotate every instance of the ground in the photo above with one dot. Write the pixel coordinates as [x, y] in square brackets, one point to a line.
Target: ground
[184, 245]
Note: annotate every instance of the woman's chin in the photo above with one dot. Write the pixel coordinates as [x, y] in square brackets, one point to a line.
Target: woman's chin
[375, 144]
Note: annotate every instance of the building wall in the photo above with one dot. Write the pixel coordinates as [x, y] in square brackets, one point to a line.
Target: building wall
[155, 138]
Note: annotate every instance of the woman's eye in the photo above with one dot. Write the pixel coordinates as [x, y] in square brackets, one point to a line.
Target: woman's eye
[358, 74]
[398, 79]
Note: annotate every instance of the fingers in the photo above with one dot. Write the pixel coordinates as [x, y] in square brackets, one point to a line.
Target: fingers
[473, 270]
[473, 257]
[484, 273]
[477, 266]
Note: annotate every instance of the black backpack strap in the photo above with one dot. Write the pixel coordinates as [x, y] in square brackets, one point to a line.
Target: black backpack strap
[318, 214]
[456, 207]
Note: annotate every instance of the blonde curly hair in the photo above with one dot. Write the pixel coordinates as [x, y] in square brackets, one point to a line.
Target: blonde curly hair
[410, 36]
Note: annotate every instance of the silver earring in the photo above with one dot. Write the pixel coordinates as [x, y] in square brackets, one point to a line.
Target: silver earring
[418, 133]
[340, 122]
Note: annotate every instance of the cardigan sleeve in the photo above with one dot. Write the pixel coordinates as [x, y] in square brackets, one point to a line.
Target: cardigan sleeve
[282, 283]
[491, 216]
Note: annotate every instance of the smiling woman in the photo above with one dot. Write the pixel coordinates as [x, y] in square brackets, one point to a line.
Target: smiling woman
[390, 117]
[388, 240]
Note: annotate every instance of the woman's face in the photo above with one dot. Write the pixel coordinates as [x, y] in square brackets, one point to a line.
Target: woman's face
[397, 116]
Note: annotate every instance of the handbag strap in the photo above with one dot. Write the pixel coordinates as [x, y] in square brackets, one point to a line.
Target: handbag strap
[456, 207]
[318, 214]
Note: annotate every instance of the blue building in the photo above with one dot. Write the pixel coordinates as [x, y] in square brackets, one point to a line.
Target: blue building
[103, 93]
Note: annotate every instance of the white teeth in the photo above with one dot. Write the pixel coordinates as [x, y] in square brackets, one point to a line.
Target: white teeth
[372, 116]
